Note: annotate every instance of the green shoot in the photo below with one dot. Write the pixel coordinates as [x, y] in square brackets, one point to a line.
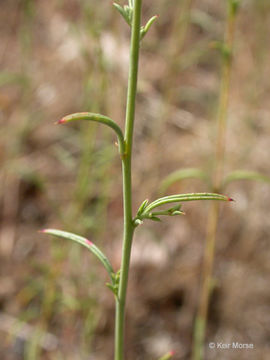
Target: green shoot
[119, 280]
[87, 244]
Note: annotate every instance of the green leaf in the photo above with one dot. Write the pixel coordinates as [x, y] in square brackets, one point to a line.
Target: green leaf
[179, 175]
[125, 12]
[115, 283]
[100, 119]
[142, 207]
[112, 288]
[145, 210]
[141, 214]
[177, 213]
[245, 175]
[122, 12]
[170, 212]
[185, 197]
[86, 243]
[145, 29]
[152, 216]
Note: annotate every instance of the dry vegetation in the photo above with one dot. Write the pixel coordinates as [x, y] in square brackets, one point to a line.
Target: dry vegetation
[59, 57]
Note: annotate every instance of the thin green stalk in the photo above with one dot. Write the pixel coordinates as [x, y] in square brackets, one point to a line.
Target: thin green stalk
[119, 279]
[127, 186]
[201, 318]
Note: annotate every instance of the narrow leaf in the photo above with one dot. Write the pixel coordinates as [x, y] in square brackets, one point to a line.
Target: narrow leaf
[122, 12]
[185, 197]
[142, 207]
[112, 288]
[179, 175]
[246, 175]
[155, 215]
[154, 218]
[129, 12]
[86, 243]
[169, 212]
[145, 29]
[100, 119]
[177, 212]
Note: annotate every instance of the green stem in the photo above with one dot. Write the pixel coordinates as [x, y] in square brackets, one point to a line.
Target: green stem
[127, 186]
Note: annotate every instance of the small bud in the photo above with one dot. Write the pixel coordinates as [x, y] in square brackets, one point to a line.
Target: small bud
[138, 222]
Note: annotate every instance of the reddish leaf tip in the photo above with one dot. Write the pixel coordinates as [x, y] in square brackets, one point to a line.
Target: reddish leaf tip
[89, 242]
[230, 199]
[42, 231]
[61, 121]
[172, 353]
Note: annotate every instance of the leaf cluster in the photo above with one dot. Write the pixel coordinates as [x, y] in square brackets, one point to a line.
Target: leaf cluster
[126, 12]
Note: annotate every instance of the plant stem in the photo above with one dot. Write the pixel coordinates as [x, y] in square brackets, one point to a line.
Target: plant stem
[127, 185]
[206, 287]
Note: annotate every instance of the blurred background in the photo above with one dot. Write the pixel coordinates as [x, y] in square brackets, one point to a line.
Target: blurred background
[58, 57]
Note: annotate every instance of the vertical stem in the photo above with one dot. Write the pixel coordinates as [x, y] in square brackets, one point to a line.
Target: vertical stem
[127, 186]
[206, 287]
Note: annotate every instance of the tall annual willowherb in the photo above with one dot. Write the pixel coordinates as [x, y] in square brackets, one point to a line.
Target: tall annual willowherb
[148, 210]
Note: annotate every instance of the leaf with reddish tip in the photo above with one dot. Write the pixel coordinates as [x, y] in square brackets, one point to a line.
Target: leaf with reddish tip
[86, 243]
[100, 119]
[61, 121]
[184, 197]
